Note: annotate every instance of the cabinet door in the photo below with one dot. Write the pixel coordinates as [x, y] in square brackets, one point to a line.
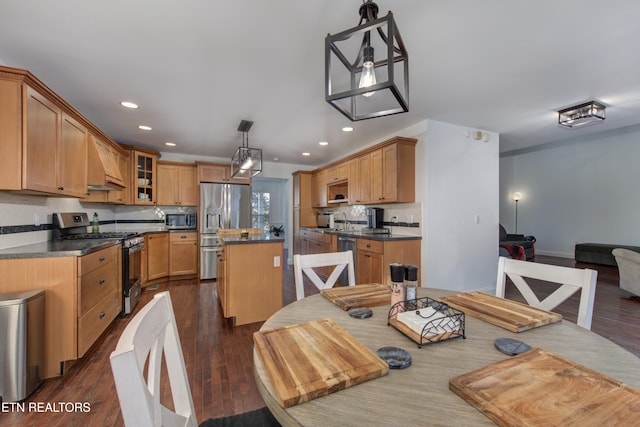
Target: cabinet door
[122, 196]
[158, 256]
[188, 182]
[369, 267]
[167, 184]
[319, 181]
[377, 176]
[389, 173]
[72, 158]
[183, 254]
[40, 144]
[364, 179]
[143, 178]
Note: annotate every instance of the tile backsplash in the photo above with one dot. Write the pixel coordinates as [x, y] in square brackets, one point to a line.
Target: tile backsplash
[400, 218]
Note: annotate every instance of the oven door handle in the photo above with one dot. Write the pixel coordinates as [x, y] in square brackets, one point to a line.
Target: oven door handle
[136, 248]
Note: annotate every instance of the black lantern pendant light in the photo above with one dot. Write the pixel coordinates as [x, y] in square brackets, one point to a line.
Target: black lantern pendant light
[363, 87]
[246, 161]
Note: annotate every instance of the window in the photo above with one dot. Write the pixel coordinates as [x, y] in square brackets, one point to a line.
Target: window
[260, 206]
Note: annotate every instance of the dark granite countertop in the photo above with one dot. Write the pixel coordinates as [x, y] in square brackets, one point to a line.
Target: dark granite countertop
[365, 235]
[51, 249]
[265, 238]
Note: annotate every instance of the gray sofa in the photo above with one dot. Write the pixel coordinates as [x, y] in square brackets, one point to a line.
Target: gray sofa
[527, 242]
[599, 253]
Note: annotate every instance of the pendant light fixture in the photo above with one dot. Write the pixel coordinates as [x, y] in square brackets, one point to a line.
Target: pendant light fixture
[375, 81]
[246, 161]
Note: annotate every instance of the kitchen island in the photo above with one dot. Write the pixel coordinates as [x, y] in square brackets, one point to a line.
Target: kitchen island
[250, 277]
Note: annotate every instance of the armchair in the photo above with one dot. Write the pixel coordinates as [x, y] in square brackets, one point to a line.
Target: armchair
[526, 242]
[629, 268]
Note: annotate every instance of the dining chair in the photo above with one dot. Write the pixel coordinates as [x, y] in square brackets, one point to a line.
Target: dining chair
[307, 263]
[629, 269]
[570, 281]
[151, 334]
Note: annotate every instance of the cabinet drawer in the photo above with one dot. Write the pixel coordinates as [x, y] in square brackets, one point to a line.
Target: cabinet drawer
[182, 237]
[370, 245]
[96, 320]
[95, 260]
[93, 286]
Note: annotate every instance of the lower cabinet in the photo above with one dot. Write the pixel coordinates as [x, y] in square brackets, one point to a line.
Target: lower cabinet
[99, 294]
[183, 253]
[82, 298]
[250, 285]
[374, 256]
[169, 254]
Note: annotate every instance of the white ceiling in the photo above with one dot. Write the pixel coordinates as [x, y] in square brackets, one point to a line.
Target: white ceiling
[197, 67]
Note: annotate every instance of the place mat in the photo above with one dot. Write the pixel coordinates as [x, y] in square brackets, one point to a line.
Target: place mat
[511, 315]
[315, 358]
[368, 295]
[542, 388]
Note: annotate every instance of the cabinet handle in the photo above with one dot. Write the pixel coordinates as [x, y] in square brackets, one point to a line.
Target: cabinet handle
[183, 237]
[102, 314]
[60, 188]
[367, 255]
[101, 258]
[368, 245]
[101, 281]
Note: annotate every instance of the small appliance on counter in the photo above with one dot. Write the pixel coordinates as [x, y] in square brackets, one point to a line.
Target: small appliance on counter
[375, 219]
[326, 220]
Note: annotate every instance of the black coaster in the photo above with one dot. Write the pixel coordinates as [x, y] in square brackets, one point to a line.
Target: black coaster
[360, 312]
[397, 358]
[510, 346]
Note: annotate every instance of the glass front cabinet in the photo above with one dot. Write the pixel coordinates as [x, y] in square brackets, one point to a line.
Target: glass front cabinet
[144, 178]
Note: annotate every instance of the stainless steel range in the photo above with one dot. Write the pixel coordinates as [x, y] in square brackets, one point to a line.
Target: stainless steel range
[73, 226]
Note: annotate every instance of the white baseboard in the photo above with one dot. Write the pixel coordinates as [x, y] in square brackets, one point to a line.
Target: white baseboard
[554, 253]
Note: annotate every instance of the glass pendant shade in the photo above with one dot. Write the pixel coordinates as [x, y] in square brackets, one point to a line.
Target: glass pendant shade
[358, 84]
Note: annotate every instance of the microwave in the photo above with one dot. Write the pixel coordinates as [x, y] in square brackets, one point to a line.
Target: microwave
[183, 220]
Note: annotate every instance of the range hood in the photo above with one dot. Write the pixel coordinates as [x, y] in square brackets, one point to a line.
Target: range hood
[103, 170]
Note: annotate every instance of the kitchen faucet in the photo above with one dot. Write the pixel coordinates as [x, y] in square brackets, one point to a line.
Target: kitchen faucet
[345, 227]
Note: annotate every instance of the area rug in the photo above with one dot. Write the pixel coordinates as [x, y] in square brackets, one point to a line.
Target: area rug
[258, 418]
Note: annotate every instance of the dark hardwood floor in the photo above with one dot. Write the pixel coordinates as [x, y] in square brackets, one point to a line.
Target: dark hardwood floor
[219, 356]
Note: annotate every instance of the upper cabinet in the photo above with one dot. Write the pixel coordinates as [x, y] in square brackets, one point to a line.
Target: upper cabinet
[217, 172]
[177, 184]
[48, 147]
[143, 177]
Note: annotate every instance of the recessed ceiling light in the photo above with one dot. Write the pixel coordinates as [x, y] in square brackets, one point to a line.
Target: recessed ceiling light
[129, 104]
[276, 159]
[347, 129]
[170, 144]
[306, 154]
[323, 143]
[143, 127]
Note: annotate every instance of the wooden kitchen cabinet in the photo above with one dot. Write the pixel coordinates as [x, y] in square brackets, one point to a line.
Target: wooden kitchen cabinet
[79, 306]
[143, 177]
[374, 256]
[177, 184]
[217, 172]
[319, 188]
[55, 149]
[99, 294]
[252, 281]
[183, 253]
[157, 256]
[338, 173]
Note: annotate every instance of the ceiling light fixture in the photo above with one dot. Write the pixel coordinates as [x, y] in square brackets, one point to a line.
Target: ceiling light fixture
[144, 127]
[128, 104]
[347, 129]
[323, 143]
[170, 144]
[246, 162]
[306, 154]
[363, 88]
[580, 115]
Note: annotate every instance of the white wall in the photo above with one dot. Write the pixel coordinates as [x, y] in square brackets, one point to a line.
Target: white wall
[583, 189]
[457, 180]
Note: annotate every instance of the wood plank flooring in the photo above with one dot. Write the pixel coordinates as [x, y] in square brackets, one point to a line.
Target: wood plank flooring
[219, 356]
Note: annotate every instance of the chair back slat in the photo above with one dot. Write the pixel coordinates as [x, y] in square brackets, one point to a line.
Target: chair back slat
[307, 263]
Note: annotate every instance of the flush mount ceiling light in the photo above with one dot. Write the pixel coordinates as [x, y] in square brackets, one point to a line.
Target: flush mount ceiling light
[246, 162]
[375, 82]
[580, 115]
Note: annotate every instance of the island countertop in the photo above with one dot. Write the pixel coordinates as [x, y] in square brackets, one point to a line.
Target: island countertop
[265, 238]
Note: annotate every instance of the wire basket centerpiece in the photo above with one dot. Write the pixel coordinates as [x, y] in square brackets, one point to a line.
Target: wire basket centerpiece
[426, 320]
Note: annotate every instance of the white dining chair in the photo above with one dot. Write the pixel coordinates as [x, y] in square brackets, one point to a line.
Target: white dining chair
[570, 281]
[151, 333]
[307, 263]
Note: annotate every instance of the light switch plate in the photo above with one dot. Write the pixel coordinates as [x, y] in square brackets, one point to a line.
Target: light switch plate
[276, 261]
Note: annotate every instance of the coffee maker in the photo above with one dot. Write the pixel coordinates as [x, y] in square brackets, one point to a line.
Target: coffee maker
[375, 218]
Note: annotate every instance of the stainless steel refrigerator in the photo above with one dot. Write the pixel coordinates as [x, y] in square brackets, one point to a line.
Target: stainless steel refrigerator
[221, 206]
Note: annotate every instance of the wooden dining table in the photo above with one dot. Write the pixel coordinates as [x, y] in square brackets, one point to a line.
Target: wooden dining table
[420, 394]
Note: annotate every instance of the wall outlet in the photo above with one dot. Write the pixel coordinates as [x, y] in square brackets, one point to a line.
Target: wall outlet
[276, 261]
[36, 220]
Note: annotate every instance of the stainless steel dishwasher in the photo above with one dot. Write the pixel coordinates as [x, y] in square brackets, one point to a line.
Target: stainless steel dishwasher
[347, 244]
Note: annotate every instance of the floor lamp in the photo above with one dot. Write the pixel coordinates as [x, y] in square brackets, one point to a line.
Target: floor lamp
[517, 196]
